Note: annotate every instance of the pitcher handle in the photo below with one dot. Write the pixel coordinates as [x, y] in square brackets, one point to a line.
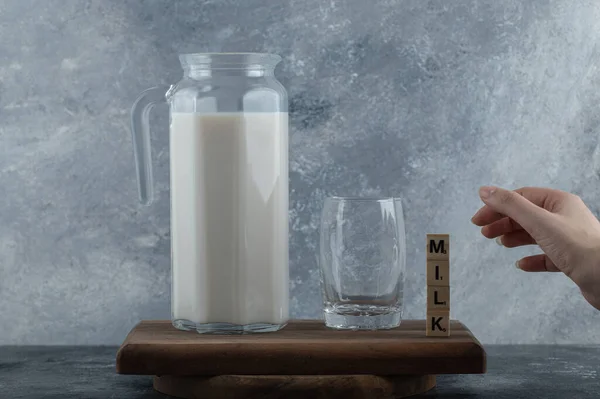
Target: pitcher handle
[140, 129]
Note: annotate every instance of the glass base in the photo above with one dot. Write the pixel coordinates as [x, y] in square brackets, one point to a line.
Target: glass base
[353, 317]
[226, 328]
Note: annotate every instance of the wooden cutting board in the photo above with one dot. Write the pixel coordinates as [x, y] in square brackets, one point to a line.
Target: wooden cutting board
[303, 357]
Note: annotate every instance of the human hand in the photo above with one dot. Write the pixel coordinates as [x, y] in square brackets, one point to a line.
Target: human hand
[558, 222]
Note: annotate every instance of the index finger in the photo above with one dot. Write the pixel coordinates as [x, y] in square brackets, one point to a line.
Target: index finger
[537, 195]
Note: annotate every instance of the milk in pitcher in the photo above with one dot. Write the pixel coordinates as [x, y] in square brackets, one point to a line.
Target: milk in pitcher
[229, 236]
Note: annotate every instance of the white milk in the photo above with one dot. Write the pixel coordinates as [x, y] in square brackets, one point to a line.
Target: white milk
[229, 217]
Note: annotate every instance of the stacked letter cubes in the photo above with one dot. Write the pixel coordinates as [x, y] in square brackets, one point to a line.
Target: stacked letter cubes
[438, 285]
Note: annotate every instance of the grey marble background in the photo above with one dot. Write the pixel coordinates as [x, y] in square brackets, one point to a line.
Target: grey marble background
[422, 99]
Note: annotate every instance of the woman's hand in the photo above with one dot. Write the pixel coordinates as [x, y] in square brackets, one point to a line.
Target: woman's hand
[558, 222]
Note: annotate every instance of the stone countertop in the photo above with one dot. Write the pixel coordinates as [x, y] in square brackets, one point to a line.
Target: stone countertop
[519, 371]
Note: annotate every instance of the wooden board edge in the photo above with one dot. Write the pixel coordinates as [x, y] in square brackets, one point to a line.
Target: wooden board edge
[142, 359]
[133, 359]
[484, 359]
[129, 351]
[478, 353]
[126, 347]
[121, 355]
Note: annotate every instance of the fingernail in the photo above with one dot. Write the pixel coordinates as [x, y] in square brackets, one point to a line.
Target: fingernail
[485, 192]
[499, 241]
[517, 265]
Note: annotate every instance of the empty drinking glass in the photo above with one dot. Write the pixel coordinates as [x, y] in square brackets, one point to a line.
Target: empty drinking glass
[362, 262]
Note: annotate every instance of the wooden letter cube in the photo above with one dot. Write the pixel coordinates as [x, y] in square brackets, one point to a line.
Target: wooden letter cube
[438, 324]
[438, 298]
[438, 247]
[438, 273]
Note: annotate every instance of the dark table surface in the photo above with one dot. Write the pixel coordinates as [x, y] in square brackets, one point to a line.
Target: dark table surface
[560, 372]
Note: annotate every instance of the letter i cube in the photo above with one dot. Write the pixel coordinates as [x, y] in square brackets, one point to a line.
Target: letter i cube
[438, 285]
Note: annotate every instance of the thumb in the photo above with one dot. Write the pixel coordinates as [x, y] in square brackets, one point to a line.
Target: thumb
[515, 206]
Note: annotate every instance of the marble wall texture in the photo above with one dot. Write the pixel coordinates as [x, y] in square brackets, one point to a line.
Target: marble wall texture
[426, 100]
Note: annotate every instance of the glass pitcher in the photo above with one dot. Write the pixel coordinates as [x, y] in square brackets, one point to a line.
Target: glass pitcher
[229, 191]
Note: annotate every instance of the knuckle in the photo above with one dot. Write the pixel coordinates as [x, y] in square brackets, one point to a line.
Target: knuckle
[573, 200]
[568, 196]
[575, 197]
[524, 189]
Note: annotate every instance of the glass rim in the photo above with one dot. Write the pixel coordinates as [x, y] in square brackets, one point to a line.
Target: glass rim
[231, 59]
